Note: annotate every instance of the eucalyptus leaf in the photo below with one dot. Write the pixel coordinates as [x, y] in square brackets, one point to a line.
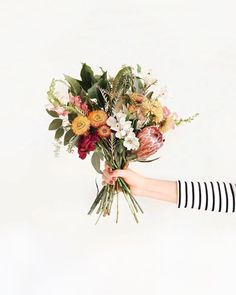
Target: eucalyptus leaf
[55, 124]
[68, 136]
[96, 161]
[52, 113]
[59, 133]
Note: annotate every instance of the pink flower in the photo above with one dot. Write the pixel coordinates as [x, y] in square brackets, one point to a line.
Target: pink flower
[77, 101]
[60, 111]
[84, 107]
[86, 144]
[150, 140]
[166, 112]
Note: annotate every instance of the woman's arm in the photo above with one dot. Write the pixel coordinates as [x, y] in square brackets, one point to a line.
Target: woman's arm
[209, 195]
[164, 190]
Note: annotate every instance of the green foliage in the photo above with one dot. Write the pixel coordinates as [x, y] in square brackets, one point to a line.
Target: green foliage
[52, 113]
[148, 161]
[59, 133]
[71, 117]
[55, 124]
[87, 77]
[186, 120]
[123, 81]
[96, 159]
[72, 143]
[51, 96]
[68, 136]
[139, 68]
[94, 91]
[74, 84]
[138, 85]
[149, 95]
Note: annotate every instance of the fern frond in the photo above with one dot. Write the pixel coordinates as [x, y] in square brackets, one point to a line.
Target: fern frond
[106, 96]
[186, 120]
[51, 96]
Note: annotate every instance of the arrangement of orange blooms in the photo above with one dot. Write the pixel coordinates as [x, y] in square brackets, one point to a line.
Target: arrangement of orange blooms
[117, 120]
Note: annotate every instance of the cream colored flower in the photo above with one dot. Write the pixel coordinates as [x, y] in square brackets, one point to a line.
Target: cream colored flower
[168, 124]
[153, 107]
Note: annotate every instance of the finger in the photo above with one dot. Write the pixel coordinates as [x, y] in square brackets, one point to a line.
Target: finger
[107, 175]
[126, 165]
[107, 180]
[119, 173]
[107, 168]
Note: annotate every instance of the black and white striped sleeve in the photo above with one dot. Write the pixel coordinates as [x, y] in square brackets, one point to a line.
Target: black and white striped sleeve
[216, 196]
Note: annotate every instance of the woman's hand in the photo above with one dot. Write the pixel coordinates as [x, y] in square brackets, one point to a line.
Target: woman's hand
[165, 190]
[133, 179]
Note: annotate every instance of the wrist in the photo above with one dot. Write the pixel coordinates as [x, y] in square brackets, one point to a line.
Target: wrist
[165, 190]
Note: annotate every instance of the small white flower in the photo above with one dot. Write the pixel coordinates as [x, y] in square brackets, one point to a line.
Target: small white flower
[131, 142]
[139, 124]
[147, 77]
[119, 124]
[61, 91]
[111, 121]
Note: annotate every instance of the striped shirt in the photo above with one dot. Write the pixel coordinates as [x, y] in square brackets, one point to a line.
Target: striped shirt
[216, 196]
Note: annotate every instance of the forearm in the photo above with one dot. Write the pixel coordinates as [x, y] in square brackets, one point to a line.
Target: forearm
[165, 190]
[208, 195]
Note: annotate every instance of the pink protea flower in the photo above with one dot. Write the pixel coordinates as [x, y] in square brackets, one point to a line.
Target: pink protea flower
[150, 140]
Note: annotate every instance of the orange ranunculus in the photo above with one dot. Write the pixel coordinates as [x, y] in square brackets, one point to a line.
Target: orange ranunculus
[104, 131]
[97, 118]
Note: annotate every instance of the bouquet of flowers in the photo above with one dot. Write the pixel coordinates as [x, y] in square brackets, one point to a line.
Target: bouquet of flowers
[118, 119]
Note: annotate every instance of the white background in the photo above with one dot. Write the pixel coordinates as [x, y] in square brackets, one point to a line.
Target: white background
[48, 243]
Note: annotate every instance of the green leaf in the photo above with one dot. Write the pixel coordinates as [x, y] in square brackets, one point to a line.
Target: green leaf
[87, 77]
[55, 124]
[59, 133]
[149, 95]
[52, 113]
[94, 91]
[71, 117]
[148, 161]
[74, 84]
[138, 85]
[96, 161]
[139, 68]
[68, 136]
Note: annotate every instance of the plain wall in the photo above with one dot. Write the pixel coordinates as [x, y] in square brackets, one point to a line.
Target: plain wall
[48, 243]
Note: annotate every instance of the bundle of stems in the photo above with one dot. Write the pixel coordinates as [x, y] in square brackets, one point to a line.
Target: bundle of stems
[115, 157]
